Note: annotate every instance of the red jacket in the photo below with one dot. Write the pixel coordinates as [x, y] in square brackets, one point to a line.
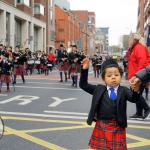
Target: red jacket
[51, 57]
[139, 59]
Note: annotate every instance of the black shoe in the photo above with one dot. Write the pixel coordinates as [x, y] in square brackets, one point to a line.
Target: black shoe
[146, 114]
[75, 85]
[136, 117]
[61, 81]
[23, 81]
[14, 82]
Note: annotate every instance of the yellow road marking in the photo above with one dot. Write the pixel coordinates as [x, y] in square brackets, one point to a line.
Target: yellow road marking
[77, 125]
[46, 129]
[139, 127]
[35, 140]
[43, 120]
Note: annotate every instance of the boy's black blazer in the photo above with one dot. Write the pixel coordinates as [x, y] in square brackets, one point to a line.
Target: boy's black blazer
[123, 94]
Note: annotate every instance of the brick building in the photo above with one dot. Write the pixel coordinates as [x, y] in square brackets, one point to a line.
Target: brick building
[66, 27]
[24, 23]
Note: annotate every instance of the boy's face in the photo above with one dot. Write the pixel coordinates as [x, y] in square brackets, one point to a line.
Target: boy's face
[112, 77]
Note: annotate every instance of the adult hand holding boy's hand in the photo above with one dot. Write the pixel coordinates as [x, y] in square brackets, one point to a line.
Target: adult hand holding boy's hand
[86, 63]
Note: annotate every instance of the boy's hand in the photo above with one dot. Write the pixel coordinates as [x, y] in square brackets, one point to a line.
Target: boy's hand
[85, 63]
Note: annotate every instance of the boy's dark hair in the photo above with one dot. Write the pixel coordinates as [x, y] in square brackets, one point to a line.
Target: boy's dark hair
[110, 63]
[104, 71]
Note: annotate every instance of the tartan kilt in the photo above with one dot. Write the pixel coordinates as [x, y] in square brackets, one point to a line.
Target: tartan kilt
[73, 69]
[5, 78]
[95, 68]
[19, 70]
[63, 67]
[39, 66]
[29, 66]
[45, 67]
[79, 66]
[108, 136]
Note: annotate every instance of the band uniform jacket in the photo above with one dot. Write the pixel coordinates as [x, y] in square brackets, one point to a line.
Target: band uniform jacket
[123, 94]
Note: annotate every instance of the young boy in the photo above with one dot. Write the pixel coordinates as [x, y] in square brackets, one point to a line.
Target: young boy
[5, 67]
[108, 107]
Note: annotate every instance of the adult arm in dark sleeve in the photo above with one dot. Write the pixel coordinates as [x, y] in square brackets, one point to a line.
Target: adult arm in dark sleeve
[144, 75]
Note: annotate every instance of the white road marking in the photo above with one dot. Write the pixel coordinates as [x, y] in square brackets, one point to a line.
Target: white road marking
[58, 101]
[63, 116]
[62, 112]
[51, 88]
[26, 99]
[3, 95]
[41, 115]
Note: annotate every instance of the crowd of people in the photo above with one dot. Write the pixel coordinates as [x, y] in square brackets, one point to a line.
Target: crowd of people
[22, 62]
[109, 102]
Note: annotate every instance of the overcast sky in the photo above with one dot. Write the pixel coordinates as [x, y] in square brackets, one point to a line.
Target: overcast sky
[119, 15]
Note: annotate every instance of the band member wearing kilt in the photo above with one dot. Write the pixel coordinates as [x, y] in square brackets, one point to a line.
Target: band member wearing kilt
[40, 59]
[5, 68]
[94, 65]
[45, 67]
[108, 107]
[63, 64]
[99, 60]
[19, 59]
[80, 57]
[74, 58]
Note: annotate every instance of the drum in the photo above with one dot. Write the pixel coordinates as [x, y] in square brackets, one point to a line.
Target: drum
[37, 62]
[49, 64]
[31, 62]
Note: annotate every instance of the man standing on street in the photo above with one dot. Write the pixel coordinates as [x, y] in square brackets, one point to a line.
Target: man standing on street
[138, 58]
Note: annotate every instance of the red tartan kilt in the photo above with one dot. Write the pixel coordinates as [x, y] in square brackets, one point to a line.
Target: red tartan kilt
[39, 66]
[95, 68]
[79, 66]
[45, 67]
[74, 70]
[108, 136]
[29, 66]
[19, 70]
[63, 67]
[5, 78]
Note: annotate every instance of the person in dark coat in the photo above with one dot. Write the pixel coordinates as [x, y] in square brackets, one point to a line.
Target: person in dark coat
[5, 68]
[108, 107]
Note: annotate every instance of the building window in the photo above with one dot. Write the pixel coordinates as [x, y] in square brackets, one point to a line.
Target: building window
[18, 32]
[51, 17]
[7, 28]
[26, 2]
[51, 3]
[39, 9]
[35, 39]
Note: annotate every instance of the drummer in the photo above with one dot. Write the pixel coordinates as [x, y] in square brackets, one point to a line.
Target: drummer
[30, 62]
[99, 60]
[39, 61]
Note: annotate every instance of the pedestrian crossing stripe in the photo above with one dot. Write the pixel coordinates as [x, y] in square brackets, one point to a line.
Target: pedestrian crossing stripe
[74, 125]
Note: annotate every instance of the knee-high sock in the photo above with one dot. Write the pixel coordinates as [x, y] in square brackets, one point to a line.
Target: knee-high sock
[23, 78]
[15, 76]
[76, 79]
[72, 80]
[7, 86]
[61, 76]
[65, 76]
[1, 84]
